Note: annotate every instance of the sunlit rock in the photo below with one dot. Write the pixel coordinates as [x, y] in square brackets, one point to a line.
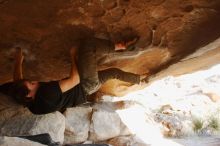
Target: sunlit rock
[14, 141]
[106, 123]
[77, 124]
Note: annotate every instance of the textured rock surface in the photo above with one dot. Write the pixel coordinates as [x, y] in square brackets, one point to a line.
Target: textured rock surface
[168, 30]
[77, 124]
[203, 58]
[106, 123]
[14, 141]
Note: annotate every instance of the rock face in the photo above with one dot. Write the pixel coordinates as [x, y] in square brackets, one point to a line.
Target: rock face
[168, 30]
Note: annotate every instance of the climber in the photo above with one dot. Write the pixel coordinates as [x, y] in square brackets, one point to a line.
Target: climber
[93, 52]
[46, 97]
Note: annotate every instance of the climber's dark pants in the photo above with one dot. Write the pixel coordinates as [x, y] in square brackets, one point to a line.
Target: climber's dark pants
[89, 54]
[115, 73]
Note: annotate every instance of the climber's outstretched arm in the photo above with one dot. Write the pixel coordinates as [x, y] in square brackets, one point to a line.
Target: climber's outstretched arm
[19, 57]
[73, 79]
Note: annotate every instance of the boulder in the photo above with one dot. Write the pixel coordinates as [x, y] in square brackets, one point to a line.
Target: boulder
[106, 123]
[29, 124]
[77, 124]
[15, 141]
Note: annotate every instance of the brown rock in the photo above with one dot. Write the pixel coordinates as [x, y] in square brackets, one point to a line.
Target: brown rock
[145, 34]
[180, 28]
[163, 28]
[95, 11]
[135, 17]
[187, 6]
[114, 15]
[160, 13]
[124, 3]
[186, 37]
[207, 4]
[156, 2]
[139, 3]
[109, 4]
[99, 27]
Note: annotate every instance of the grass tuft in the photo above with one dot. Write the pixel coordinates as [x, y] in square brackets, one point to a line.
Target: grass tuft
[214, 123]
[197, 125]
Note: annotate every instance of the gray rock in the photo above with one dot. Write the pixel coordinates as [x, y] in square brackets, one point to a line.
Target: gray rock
[106, 123]
[14, 141]
[77, 124]
[29, 124]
